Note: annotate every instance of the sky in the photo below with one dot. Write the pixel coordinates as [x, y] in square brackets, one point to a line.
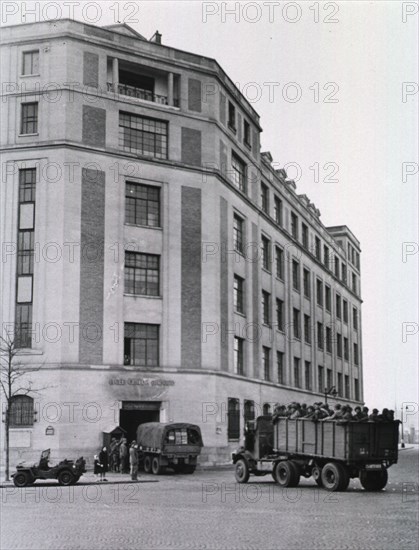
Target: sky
[327, 80]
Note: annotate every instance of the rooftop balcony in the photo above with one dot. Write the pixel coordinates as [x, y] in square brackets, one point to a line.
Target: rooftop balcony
[140, 93]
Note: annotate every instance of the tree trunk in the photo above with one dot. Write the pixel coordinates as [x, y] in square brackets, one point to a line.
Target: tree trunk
[6, 475]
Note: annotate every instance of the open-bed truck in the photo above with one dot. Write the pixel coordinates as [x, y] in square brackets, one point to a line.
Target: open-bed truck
[329, 451]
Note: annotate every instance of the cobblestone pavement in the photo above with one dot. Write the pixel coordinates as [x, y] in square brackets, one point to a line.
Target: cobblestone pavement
[208, 510]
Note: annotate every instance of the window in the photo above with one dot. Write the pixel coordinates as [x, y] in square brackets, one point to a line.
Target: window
[307, 329]
[347, 388]
[320, 337]
[297, 381]
[280, 367]
[143, 135]
[238, 233]
[246, 132]
[264, 194]
[356, 355]
[317, 248]
[329, 378]
[249, 410]
[142, 274]
[319, 288]
[30, 64]
[328, 339]
[266, 359]
[326, 255]
[239, 172]
[238, 355]
[142, 204]
[25, 252]
[27, 183]
[355, 318]
[356, 387]
[21, 411]
[304, 232]
[344, 273]
[266, 256]
[231, 116]
[266, 307]
[296, 275]
[238, 294]
[266, 410]
[278, 210]
[345, 349]
[338, 306]
[345, 311]
[339, 345]
[280, 314]
[141, 344]
[29, 120]
[233, 419]
[296, 323]
[337, 272]
[354, 287]
[307, 375]
[294, 225]
[340, 384]
[279, 253]
[320, 379]
[328, 297]
[306, 283]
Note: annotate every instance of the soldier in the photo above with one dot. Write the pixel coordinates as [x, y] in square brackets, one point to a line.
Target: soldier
[373, 417]
[123, 455]
[337, 414]
[133, 461]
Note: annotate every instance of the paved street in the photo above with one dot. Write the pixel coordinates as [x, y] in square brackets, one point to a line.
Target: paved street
[208, 510]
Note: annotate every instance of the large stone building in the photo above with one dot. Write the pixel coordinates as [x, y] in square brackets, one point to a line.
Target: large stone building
[155, 264]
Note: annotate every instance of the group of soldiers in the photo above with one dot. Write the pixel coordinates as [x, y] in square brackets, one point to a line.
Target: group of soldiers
[322, 411]
[119, 455]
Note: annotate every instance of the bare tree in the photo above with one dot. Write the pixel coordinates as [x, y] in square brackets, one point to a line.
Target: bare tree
[13, 381]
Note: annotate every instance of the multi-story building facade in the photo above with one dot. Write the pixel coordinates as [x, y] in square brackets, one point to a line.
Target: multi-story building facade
[155, 264]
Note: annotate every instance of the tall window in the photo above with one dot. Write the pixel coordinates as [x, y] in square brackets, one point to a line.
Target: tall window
[278, 210]
[337, 271]
[264, 194]
[345, 311]
[320, 336]
[279, 257]
[356, 388]
[356, 354]
[317, 250]
[233, 419]
[329, 378]
[304, 235]
[354, 286]
[307, 329]
[326, 255]
[319, 289]
[297, 381]
[238, 355]
[231, 116]
[142, 204]
[238, 233]
[266, 358]
[344, 277]
[143, 135]
[339, 344]
[307, 283]
[296, 323]
[346, 349]
[238, 294]
[355, 318]
[29, 119]
[266, 253]
[328, 297]
[320, 378]
[30, 64]
[142, 274]
[246, 133]
[338, 306]
[347, 387]
[141, 344]
[280, 314]
[296, 275]
[294, 225]
[340, 384]
[239, 172]
[280, 367]
[266, 307]
[328, 339]
[21, 411]
[307, 375]
[249, 410]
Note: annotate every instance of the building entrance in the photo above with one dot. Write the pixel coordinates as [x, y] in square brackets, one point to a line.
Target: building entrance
[134, 413]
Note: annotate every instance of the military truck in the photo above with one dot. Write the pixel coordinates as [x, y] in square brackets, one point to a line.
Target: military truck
[332, 452]
[175, 445]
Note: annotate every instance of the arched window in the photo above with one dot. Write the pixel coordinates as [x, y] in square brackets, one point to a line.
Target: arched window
[21, 411]
[266, 409]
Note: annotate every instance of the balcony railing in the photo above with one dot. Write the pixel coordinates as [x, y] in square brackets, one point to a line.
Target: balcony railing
[139, 93]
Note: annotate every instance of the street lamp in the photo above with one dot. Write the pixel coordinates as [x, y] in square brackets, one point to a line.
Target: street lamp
[331, 391]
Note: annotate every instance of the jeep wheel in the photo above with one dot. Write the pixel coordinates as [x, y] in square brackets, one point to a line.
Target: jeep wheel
[21, 480]
[189, 468]
[65, 477]
[75, 480]
[242, 471]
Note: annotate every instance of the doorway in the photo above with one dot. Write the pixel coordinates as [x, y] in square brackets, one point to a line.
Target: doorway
[134, 413]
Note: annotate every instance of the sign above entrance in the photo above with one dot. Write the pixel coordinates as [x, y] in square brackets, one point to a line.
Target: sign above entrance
[140, 382]
[141, 405]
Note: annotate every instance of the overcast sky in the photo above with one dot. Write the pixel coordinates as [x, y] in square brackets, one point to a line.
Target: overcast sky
[336, 74]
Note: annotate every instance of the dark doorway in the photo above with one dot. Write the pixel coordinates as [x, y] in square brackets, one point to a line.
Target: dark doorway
[130, 419]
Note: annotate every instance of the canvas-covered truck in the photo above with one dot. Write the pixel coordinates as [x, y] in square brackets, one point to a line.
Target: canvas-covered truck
[329, 451]
[173, 445]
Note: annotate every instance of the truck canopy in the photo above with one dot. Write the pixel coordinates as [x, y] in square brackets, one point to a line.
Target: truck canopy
[156, 435]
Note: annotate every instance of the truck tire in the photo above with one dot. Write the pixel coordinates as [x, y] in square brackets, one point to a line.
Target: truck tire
[286, 474]
[316, 472]
[334, 477]
[65, 477]
[21, 479]
[147, 464]
[242, 471]
[373, 481]
[156, 467]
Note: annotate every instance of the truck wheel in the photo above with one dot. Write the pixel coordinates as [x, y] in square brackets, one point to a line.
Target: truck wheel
[156, 467]
[286, 474]
[334, 477]
[242, 471]
[147, 464]
[65, 477]
[373, 481]
[21, 480]
[317, 475]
